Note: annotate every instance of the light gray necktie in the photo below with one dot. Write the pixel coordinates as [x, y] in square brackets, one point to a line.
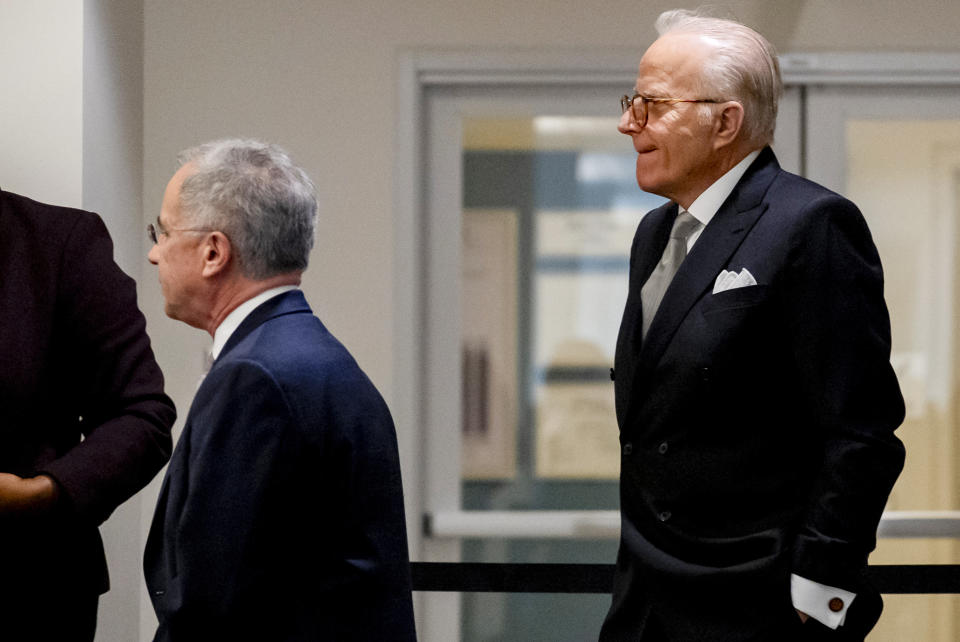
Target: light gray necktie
[652, 291]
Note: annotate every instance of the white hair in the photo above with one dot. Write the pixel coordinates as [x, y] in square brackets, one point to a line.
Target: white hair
[743, 67]
[253, 193]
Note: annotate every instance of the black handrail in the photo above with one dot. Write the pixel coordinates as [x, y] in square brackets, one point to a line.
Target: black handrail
[598, 578]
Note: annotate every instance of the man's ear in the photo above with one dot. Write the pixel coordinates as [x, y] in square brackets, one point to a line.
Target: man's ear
[217, 253]
[729, 125]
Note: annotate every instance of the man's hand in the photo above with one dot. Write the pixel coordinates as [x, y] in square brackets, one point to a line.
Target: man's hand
[803, 616]
[26, 496]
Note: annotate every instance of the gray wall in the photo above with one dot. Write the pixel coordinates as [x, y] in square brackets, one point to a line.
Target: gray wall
[112, 181]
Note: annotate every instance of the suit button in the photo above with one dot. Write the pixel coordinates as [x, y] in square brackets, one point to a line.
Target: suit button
[612, 376]
[627, 449]
[705, 375]
[662, 449]
[835, 605]
[159, 593]
[664, 515]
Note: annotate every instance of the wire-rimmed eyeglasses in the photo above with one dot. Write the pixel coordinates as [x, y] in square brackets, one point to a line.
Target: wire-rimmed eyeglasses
[156, 230]
[637, 105]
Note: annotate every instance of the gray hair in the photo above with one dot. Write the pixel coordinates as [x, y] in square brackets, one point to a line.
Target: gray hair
[743, 67]
[255, 195]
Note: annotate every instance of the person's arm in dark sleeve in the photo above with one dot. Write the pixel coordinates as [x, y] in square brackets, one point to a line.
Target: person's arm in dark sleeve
[242, 453]
[126, 417]
[840, 336]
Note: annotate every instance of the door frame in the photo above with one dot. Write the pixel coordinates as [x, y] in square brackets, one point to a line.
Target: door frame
[420, 70]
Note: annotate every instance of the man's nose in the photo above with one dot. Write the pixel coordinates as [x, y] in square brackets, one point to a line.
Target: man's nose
[151, 255]
[627, 124]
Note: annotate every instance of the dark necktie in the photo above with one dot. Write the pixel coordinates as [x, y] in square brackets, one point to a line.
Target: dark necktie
[652, 291]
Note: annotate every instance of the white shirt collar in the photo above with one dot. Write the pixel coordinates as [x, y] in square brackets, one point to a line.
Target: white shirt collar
[241, 312]
[706, 206]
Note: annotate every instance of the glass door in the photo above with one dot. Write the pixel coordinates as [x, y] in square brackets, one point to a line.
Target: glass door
[895, 151]
[531, 206]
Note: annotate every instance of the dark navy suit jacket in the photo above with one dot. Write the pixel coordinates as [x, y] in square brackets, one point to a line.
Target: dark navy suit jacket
[756, 424]
[281, 515]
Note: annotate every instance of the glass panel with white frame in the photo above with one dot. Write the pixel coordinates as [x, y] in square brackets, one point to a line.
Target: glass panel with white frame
[895, 151]
[536, 301]
[548, 207]
[549, 214]
[892, 150]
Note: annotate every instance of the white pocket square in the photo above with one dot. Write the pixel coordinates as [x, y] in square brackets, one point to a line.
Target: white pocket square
[731, 280]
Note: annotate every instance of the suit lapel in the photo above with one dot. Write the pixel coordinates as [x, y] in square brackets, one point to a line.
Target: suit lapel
[719, 240]
[648, 245]
[159, 556]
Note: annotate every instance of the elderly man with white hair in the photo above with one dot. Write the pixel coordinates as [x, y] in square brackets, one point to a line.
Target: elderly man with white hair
[754, 392]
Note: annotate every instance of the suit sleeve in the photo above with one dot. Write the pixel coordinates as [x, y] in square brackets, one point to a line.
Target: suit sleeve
[110, 371]
[242, 451]
[839, 333]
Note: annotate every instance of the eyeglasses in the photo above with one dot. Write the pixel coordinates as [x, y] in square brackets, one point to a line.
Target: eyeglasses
[154, 232]
[637, 105]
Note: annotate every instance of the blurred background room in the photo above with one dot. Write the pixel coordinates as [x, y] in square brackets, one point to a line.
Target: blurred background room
[477, 209]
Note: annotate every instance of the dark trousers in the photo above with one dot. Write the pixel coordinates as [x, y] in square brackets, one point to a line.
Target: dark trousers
[42, 617]
[784, 631]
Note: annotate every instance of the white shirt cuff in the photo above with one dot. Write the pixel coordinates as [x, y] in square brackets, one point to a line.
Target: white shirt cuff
[826, 604]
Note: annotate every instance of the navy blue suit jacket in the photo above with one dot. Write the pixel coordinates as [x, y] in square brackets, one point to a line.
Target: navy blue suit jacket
[756, 424]
[281, 515]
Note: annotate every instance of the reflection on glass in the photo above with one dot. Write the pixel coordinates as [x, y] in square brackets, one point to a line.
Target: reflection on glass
[549, 211]
[905, 176]
[489, 335]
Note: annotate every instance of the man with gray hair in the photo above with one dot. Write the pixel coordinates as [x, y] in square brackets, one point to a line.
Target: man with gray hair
[281, 515]
[754, 392]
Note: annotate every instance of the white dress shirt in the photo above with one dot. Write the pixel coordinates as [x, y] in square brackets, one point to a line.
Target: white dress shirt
[706, 206]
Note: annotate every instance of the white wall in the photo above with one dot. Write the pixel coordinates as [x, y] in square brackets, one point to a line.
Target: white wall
[41, 57]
